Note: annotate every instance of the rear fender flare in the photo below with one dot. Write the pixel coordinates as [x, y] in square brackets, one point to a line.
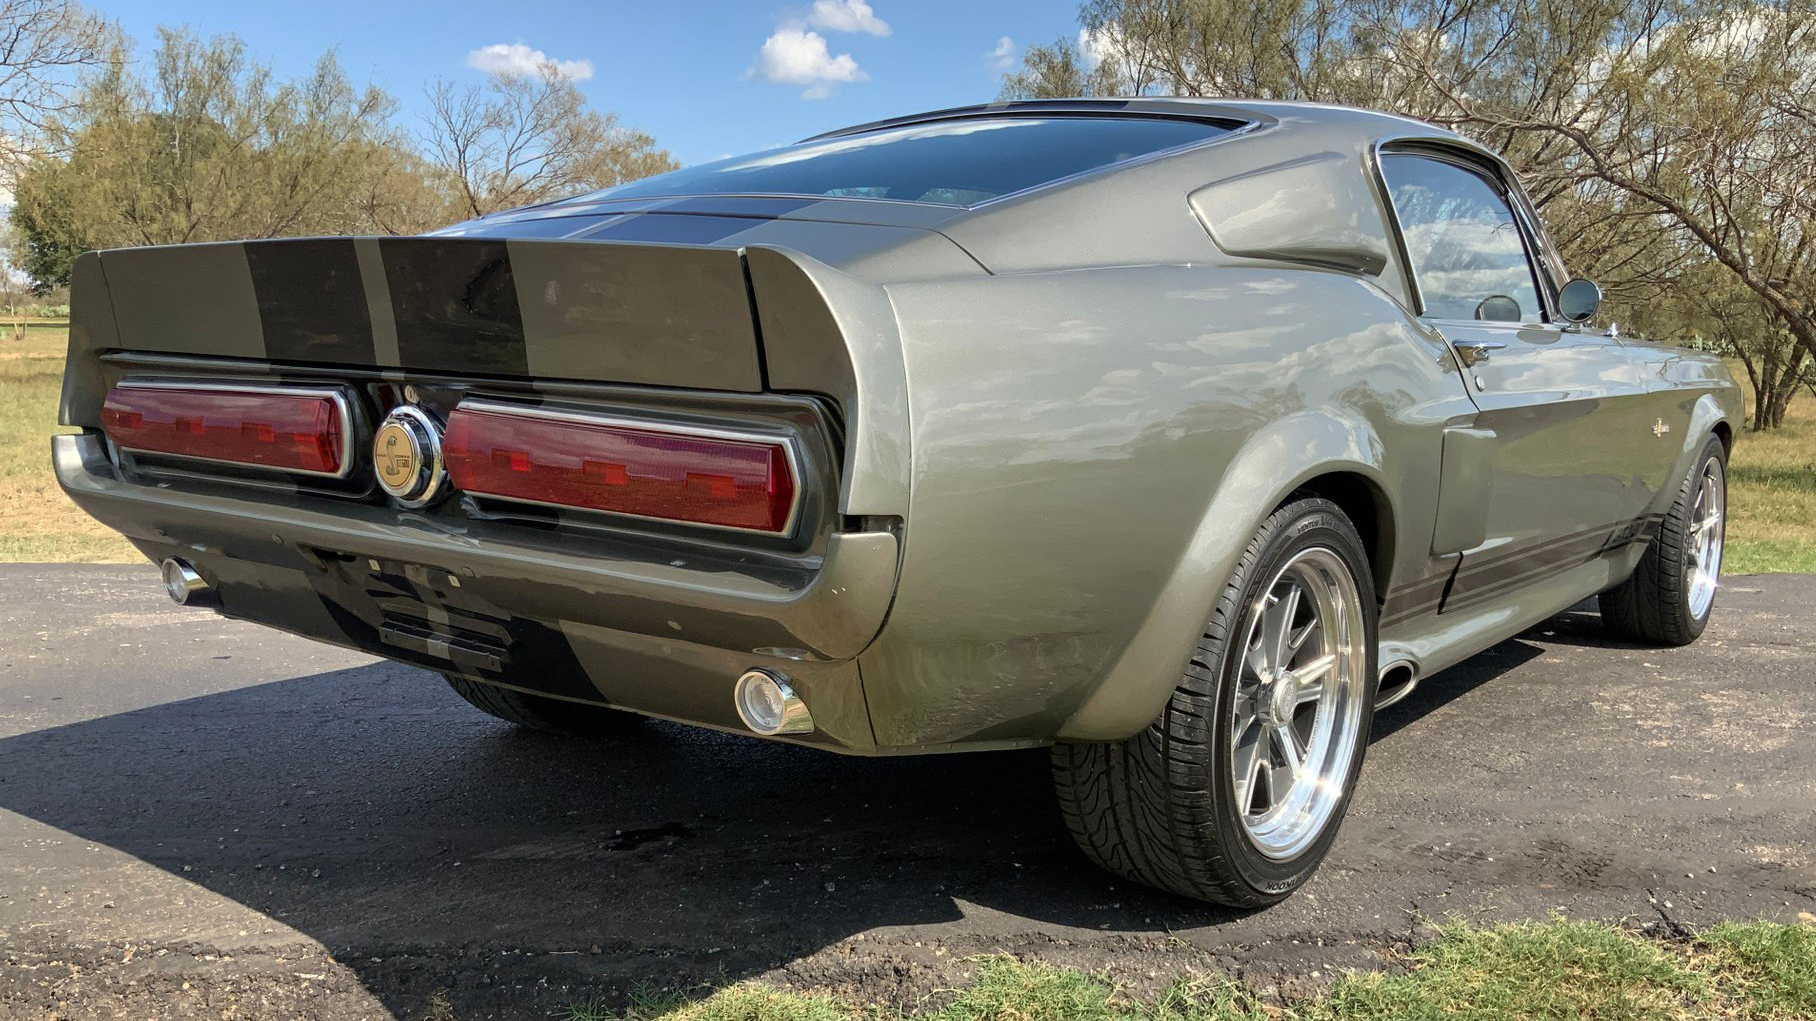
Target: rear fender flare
[1705, 415]
[1277, 460]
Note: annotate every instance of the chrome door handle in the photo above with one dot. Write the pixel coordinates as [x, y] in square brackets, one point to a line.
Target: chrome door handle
[1475, 352]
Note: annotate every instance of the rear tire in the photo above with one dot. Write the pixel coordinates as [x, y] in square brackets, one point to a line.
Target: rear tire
[1670, 596]
[537, 712]
[1171, 806]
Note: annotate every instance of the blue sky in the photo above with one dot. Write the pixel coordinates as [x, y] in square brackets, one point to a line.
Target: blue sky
[697, 75]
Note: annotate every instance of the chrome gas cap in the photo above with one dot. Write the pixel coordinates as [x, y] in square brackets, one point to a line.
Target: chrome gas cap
[406, 456]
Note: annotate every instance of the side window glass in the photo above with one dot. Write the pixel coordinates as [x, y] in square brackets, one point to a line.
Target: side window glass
[1465, 245]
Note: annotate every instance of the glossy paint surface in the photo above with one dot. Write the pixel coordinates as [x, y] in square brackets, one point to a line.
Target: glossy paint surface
[1037, 433]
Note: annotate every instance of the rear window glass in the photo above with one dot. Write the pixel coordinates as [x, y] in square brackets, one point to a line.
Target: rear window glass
[958, 162]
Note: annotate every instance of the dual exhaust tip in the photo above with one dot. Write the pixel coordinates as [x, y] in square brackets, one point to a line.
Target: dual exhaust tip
[185, 585]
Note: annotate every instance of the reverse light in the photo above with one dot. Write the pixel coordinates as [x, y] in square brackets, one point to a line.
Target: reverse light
[647, 470]
[302, 430]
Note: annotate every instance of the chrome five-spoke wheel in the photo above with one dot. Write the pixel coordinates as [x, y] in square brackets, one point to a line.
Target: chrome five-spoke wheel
[1235, 791]
[1296, 716]
[1708, 530]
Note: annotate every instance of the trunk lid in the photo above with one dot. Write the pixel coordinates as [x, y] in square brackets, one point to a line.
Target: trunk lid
[663, 315]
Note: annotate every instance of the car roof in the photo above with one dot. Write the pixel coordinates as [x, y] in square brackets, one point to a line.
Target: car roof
[1231, 112]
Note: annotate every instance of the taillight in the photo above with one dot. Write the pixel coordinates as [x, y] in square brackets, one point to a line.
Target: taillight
[591, 463]
[296, 430]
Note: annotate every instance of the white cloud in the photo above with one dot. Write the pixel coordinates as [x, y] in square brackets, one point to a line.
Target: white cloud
[800, 57]
[517, 58]
[846, 16]
[1003, 55]
[1097, 44]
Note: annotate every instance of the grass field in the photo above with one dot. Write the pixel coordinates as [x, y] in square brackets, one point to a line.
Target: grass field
[37, 523]
[1771, 521]
[1772, 495]
[1552, 971]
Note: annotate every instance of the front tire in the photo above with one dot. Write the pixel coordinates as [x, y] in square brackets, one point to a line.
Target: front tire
[1671, 594]
[1235, 792]
[537, 712]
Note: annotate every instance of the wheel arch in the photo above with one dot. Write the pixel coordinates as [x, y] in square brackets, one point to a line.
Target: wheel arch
[1725, 433]
[1363, 499]
[1707, 418]
[1332, 452]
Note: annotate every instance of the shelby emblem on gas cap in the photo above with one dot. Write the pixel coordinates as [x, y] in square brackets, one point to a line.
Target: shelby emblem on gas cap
[406, 456]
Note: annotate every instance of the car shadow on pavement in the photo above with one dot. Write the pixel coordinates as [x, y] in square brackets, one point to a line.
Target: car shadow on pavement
[430, 848]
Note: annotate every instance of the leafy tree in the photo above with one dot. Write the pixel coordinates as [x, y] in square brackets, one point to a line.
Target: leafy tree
[206, 145]
[208, 148]
[1658, 136]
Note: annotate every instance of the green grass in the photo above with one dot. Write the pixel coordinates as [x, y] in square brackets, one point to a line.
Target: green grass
[1772, 967]
[37, 522]
[1549, 971]
[1772, 495]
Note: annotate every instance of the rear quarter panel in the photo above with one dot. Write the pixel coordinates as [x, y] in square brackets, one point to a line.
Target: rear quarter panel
[1690, 392]
[1092, 450]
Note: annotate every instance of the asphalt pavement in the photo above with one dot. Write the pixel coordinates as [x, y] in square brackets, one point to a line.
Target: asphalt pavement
[200, 817]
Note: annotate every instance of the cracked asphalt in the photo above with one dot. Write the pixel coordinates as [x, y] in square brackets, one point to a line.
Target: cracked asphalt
[199, 816]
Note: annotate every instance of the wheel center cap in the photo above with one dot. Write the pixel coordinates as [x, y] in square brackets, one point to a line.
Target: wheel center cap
[1279, 697]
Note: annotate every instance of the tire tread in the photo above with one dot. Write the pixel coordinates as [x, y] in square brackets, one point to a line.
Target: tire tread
[1141, 808]
[1652, 605]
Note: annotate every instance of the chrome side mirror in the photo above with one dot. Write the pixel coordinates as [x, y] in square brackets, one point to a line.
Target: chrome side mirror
[1498, 308]
[1578, 300]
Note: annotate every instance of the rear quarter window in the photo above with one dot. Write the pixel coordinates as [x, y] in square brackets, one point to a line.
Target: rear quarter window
[958, 162]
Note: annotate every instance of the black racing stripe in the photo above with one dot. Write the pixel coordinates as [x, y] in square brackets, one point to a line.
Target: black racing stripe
[1419, 589]
[1414, 599]
[455, 302]
[679, 229]
[1520, 573]
[311, 301]
[1527, 550]
[543, 659]
[1484, 579]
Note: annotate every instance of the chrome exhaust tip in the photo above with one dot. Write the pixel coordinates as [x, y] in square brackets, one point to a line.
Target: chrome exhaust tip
[184, 586]
[1398, 679]
[768, 706]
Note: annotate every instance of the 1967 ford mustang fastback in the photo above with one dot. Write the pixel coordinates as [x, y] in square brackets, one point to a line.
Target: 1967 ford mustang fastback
[1176, 435]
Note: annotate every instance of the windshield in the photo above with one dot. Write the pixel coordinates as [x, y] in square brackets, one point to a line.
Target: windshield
[956, 162]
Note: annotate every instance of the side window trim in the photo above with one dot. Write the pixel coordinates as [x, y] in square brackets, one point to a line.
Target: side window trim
[1543, 285]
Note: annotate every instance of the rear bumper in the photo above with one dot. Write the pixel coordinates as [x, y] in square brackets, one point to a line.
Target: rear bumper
[639, 628]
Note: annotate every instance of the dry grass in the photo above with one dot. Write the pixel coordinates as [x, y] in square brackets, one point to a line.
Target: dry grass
[1772, 494]
[37, 522]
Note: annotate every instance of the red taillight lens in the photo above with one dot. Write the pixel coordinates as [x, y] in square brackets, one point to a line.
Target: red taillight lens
[289, 430]
[649, 471]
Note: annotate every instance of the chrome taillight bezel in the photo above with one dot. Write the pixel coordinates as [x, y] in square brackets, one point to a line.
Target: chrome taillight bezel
[785, 441]
[339, 396]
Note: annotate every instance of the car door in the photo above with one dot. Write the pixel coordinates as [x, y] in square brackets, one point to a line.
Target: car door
[1560, 406]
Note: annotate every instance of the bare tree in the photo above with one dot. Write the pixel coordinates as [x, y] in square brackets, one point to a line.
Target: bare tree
[44, 45]
[525, 138]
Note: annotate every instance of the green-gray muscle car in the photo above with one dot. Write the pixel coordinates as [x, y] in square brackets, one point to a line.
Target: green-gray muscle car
[1178, 435]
